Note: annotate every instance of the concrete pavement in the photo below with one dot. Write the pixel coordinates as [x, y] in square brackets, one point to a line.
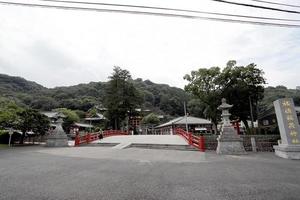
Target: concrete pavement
[143, 174]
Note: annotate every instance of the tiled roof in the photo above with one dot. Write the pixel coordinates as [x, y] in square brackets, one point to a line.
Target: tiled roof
[184, 120]
[51, 114]
[83, 125]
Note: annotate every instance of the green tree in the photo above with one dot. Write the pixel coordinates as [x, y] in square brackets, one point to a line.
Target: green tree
[70, 118]
[238, 84]
[9, 113]
[121, 97]
[243, 86]
[32, 120]
[205, 85]
[151, 119]
[196, 108]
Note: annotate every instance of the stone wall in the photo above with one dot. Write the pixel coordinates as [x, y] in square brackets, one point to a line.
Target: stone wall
[263, 142]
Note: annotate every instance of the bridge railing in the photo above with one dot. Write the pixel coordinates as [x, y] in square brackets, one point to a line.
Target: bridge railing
[108, 133]
[196, 141]
[86, 139]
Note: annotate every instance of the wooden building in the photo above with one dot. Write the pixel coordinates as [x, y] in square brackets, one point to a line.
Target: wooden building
[195, 125]
[267, 121]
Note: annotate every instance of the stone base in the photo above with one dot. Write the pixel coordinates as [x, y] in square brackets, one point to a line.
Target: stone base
[288, 151]
[229, 143]
[57, 141]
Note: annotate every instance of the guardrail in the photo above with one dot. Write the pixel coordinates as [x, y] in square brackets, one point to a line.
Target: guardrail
[85, 139]
[196, 141]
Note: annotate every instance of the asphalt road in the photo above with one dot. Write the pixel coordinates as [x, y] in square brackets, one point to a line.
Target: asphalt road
[143, 174]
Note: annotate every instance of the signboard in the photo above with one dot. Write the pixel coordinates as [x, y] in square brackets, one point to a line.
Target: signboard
[287, 121]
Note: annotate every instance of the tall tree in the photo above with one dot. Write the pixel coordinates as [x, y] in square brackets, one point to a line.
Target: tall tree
[240, 85]
[243, 87]
[121, 98]
[204, 84]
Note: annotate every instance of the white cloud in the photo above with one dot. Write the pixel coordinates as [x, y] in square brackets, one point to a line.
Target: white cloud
[59, 47]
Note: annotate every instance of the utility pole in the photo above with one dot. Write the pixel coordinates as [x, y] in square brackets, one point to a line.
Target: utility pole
[11, 132]
[251, 113]
[257, 113]
[185, 114]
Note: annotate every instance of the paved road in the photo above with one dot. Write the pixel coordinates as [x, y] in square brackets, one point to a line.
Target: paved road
[111, 174]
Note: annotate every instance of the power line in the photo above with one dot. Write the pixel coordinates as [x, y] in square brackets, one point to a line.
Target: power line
[256, 6]
[151, 13]
[171, 9]
[276, 3]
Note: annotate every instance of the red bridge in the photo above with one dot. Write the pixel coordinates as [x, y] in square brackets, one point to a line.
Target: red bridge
[195, 141]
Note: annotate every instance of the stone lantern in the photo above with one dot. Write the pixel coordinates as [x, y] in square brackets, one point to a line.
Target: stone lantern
[58, 138]
[229, 142]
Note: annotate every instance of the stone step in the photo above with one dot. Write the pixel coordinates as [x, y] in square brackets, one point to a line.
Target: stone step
[164, 146]
[122, 146]
[145, 146]
[103, 144]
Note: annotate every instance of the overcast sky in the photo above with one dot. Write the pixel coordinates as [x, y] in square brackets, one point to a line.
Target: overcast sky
[62, 47]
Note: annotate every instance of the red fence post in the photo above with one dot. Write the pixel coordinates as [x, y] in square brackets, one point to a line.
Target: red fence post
[88, 137]
[201, 143]
[190, 138]
[77, 140]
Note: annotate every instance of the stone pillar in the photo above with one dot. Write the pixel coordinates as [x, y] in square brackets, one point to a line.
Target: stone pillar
[228, 141]
[58, 138]
[289, 129]
[253, 144]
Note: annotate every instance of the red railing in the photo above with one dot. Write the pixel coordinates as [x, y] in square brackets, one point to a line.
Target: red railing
[109, 133]
[86, 139]
[196, 141]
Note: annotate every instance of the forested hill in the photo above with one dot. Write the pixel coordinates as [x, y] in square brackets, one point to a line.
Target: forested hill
[12, 84]
[159, 98]
[273, 93]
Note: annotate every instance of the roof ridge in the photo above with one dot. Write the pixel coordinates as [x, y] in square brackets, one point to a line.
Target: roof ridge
[179, 118]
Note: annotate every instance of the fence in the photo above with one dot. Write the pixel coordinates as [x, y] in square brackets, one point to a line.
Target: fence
[109, 133]
[196, 141]
[263, 142]
[33, 139]
[85, 139]
[89, 137]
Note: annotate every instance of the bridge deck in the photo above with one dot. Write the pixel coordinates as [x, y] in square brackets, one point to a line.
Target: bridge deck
[144, 139]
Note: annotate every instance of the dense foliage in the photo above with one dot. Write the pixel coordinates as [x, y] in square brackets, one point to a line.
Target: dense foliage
[242, 86]
[273, 93]
[121, 97]
[23, 119]
[159, 98]
[151, 119]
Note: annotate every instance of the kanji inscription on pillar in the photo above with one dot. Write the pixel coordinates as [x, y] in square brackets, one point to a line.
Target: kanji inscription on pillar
[287, 121]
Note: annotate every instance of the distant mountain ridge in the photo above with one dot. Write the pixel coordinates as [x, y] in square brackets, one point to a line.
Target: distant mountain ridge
[18, 84]
[160, 98]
